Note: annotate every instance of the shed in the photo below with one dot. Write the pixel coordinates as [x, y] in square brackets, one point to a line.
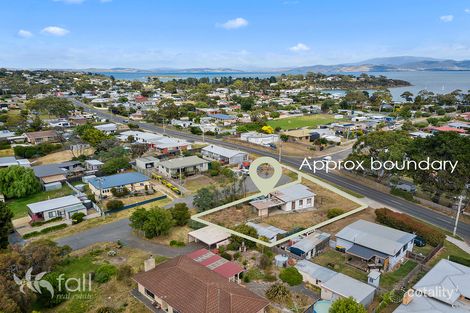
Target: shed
[209, 235]
[309, 246]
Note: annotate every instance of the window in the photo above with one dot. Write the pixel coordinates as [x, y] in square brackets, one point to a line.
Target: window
[309, 201]
[149, 294]
[51, 214]
[301, 202]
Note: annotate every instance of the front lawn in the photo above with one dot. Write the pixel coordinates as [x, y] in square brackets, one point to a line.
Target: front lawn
[389, 279]
[311, 121]
[448, 250]
[19, 208]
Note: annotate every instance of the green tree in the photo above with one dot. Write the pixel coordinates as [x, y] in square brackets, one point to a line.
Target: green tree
[153, 222]
[291, 276]
[45, 298]
[347, 305]
[59, 107]
[5, 224]
[279, 293]
[18, 181]
[112, 166]
[205, 199]
[180, 214]
[246, 230]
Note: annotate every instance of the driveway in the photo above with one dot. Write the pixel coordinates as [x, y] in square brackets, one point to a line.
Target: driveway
[120, 230]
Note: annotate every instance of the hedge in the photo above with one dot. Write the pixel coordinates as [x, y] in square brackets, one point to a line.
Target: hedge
[432, 235]
[402, 194]
[291, 276]
[44, 231]
[459, 259]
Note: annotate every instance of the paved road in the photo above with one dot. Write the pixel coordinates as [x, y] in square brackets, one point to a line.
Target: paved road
[400, 204]
[120, 230]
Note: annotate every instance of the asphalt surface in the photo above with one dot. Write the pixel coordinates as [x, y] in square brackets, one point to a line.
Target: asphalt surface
[413, 209]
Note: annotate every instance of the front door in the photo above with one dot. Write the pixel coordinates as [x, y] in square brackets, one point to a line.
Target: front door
[293, 205]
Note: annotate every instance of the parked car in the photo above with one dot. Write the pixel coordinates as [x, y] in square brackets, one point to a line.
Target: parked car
[419, 241]
[326, 158]
[405, 186]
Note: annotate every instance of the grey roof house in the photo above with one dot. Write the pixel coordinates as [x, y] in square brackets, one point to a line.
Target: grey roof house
[183, 166]
[376, 245]
[444, 289]
[63, 207]
[224, 155]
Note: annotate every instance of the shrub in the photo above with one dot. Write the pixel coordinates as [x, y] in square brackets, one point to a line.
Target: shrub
[264, 262]
[402, 194]
[104, 273]
[406, 223]
[176, 243]
[45, 231]
[77, 217]
[124, 272]
[214, 172]
[106, 309]
[460, 260]
[226, 256]
[334, 213]
[121, 192]
[278, 293]
[291, 276]
[114, 204]
[40, 223]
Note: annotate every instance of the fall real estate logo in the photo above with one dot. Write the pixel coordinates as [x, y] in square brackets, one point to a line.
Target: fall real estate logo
[66, 288]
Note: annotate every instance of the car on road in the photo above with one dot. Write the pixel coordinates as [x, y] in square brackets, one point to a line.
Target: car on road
[326, 158]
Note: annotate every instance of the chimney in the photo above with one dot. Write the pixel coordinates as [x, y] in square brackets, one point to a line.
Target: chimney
[149, 264]
[407, 297]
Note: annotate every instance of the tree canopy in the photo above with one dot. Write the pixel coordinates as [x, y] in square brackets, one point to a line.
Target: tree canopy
[347, 305]
[18, 181]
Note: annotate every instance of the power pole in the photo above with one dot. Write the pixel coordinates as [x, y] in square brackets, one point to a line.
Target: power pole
[280, 150]
[458, 214]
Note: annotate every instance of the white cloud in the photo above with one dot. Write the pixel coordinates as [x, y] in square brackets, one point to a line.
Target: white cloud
[70, 1]
[299, 47]
[447, 18]
[467, 11]
[55, 31]
[235, 23]
[25, 33]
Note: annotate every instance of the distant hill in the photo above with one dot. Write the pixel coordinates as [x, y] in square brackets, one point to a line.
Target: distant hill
[392, 64]
[162, 70]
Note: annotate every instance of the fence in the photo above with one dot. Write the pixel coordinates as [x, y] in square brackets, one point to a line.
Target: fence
[133, 205]
[424, 259]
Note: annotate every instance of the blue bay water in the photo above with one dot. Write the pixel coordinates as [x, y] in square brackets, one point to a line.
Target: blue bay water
[435, 81]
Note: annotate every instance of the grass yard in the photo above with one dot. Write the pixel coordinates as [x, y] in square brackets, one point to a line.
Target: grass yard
[388, 280]
[338, 260]
[114, 293]
[232, 216]
[311, 121]
[178, 233]
[448, 250]
[7, 152]
[19, 208]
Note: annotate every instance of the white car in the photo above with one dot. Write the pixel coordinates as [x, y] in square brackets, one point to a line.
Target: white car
[326, 158]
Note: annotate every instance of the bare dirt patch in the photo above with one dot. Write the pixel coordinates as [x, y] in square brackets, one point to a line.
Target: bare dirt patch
[232, 216]
[60, 156]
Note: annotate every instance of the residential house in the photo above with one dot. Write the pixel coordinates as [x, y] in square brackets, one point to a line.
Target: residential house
[93, 166]
[185, 286]
[181, 123]
[133, 181]
[149, 162]
[10, 161]
[311, 245]
[335, 285]
[225, 119]
[375, 245]
[43, 136]
[108, 129]
[63, 207]
[259, 138]
[50, 174]
[444, 289]
[299, 135]
[6, 134]
[224, 155]
[436, 129]
[160, 143]
[267, 231]
[287, 198]
[184, 166]
[228, 269]
[212, 236]
[460, 125]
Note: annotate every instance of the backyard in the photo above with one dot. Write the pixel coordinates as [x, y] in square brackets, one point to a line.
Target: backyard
[336, 261]
[19, 208]
[390, 279]
[311, 121]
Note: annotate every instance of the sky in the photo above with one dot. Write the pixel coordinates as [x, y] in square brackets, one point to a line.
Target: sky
[256, 34]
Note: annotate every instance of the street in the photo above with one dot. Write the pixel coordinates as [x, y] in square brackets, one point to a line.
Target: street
[400, 204]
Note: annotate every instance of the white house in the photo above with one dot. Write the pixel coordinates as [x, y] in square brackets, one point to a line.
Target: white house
[259, 138]
[380, 246]
[183, 166]
[224, 155]
[63, 207]
[108, 129]
[288, 198]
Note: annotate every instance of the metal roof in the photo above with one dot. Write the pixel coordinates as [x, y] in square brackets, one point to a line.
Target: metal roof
[118, 180]
[228, 153]
[53, 204]
[376, 237]
[365, 253]
[48, 170]
[210, 235]
[348, 287]
[293, 192]
[266, 230]
[315, 271]
[183, 162]
[310, 242]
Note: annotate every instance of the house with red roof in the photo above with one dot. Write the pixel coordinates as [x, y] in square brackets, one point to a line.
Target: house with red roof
[446, 129]
[228, 269]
